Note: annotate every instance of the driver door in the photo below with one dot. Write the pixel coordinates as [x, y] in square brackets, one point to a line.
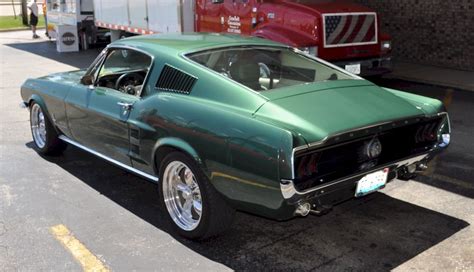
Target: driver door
[98, 113]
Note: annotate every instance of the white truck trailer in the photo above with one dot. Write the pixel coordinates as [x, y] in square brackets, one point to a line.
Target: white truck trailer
[144, 16]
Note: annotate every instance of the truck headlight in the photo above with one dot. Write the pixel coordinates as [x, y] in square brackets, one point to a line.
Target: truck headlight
[312, 50]
[386, 45]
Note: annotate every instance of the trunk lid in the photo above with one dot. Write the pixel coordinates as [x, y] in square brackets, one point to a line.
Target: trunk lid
[318, 110]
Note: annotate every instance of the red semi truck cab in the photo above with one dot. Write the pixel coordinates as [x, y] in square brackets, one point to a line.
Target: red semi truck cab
[343, 33]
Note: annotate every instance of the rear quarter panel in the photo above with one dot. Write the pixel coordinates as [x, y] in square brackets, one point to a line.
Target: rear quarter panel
[239, 154]
[244, 158]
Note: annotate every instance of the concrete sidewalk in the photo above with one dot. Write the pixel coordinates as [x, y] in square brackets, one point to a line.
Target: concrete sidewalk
[433, 75]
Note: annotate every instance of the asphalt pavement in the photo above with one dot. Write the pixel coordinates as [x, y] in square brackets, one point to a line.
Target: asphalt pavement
[422, 224]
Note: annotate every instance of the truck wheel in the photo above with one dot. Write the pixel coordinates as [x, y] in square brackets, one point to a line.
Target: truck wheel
[44, 135]
[194, 208]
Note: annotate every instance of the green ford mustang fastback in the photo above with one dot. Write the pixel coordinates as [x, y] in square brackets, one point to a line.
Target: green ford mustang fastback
[224, 123]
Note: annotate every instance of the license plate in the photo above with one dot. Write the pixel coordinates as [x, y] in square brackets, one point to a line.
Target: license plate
[371, 182]
[353, 68]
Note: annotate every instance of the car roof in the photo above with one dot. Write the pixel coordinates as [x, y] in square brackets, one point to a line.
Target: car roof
[178, 43]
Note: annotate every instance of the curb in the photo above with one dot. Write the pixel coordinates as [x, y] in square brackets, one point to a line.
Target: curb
[20, 29]
[431, 82]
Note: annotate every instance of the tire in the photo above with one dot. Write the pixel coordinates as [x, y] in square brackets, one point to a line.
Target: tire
[189, 184]
[44, 135]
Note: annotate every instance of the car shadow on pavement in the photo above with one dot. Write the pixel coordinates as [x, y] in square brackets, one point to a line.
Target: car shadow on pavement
[47, 49]
[375, 233]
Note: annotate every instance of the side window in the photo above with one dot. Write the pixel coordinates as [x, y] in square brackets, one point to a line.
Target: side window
[124, 70]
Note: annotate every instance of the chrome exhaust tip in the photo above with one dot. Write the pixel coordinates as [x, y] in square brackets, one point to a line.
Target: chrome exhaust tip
[303, 209]
[421, 167]
[411, 168]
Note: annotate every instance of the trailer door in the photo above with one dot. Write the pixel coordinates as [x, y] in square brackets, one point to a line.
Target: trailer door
[164, 16]
[188, 16]
[138, 12]
[112, 12]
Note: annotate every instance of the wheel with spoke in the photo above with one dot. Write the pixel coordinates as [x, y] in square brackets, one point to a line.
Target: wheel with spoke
[44, 135]
[182, 195]
[195, 209]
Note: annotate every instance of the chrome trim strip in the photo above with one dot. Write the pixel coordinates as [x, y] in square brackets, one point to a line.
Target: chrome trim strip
[447, 117]
[288, 189]
[293, 176]
[126, 167]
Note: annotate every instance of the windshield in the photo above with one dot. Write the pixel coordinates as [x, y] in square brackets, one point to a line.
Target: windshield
[266, 68]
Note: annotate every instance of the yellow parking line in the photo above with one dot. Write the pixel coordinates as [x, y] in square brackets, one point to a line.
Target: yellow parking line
[88, 261]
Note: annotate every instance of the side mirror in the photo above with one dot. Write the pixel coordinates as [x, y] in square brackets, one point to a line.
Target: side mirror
[217, 1]
[87, 80]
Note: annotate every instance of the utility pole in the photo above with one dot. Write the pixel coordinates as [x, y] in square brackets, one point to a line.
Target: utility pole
[24, 12]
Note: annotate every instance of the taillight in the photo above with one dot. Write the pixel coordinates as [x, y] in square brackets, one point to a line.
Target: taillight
[308, 165]
[427, 132]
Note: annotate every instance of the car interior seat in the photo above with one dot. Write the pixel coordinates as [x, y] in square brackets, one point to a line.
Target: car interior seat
[246, 72]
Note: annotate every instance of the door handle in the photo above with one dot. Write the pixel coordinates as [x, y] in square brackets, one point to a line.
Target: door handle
[125, 105]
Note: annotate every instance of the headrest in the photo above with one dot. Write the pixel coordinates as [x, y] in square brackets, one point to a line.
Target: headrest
[245, 72]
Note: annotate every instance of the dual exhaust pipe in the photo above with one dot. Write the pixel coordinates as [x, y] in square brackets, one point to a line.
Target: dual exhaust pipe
[303, 209]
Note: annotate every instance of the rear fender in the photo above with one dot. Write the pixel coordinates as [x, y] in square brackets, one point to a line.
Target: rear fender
[164, 145]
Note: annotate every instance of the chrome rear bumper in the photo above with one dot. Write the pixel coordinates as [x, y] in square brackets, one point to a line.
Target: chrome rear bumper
[289, 191]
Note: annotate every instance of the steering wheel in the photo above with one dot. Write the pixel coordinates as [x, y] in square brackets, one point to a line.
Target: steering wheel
[128, 81]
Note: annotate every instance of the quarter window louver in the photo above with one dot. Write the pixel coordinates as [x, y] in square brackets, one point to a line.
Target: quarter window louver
[174, 80]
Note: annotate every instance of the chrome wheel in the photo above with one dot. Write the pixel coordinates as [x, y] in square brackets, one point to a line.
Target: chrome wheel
[38, 126]
[182, 195]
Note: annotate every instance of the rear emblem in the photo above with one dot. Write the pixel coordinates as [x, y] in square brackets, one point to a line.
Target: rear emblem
[373, 149]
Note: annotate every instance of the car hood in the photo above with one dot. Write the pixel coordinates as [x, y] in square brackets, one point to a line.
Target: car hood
[315, 111]
[65, 77]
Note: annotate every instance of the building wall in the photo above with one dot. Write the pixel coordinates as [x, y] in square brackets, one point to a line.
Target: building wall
[434, 32]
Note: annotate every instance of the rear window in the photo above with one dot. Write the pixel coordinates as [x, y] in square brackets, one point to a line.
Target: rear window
[266, 68]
